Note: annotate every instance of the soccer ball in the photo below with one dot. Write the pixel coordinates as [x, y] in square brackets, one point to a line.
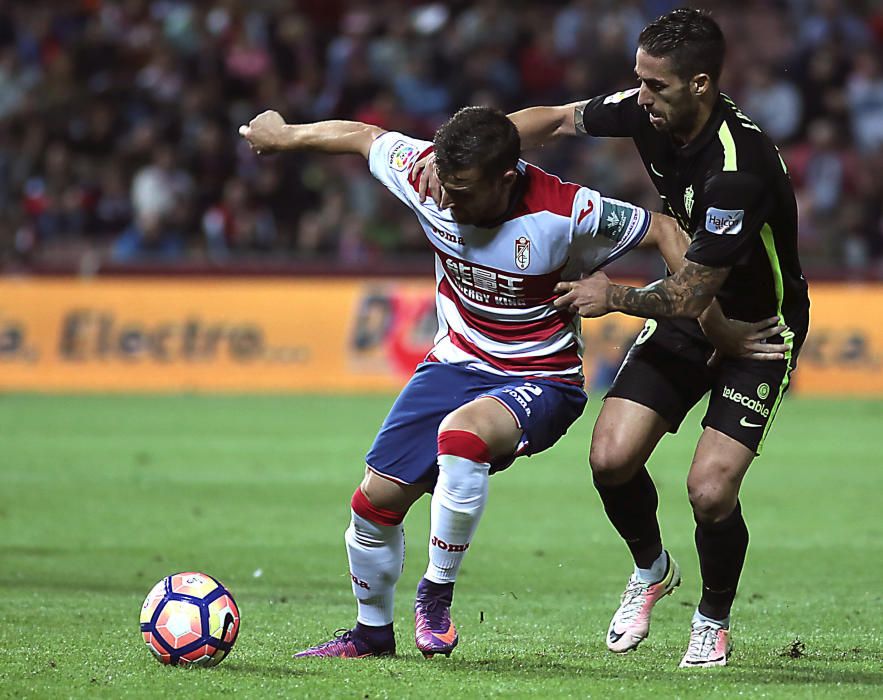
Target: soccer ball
[189, 619]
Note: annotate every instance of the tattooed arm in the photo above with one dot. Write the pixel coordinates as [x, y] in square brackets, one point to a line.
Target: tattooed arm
[686, 294]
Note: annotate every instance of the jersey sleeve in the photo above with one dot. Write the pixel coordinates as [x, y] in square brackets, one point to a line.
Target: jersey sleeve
[733, 210]
[390, 159]
[604, 229]
[617, 114]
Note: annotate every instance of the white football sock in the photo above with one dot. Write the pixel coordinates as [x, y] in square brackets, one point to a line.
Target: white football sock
[698, 617]
[656, 572]
[376, 555]
[457, 504]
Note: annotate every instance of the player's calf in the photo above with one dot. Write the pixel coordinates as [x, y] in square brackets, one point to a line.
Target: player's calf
[375, 546]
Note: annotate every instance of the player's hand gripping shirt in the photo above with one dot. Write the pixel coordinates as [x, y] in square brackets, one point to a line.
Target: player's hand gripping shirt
[495, 286]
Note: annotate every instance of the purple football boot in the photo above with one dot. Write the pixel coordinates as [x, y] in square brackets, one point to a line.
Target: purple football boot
[435, 633]
[357, 643]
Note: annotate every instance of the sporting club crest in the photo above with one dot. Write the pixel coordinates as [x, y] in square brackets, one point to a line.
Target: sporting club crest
[688, 200]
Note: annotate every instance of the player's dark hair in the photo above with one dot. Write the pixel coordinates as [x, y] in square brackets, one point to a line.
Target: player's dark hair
[691, 38]
[477, 137]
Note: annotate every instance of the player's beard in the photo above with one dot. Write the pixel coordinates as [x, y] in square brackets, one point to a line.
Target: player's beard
[682, 122]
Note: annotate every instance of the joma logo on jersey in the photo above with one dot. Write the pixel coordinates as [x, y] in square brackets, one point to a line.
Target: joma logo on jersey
[449, 237]
[441, 544]
[522, 252]
[747, 401]
[486, 286]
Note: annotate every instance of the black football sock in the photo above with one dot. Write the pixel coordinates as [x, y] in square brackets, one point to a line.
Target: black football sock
[631, 507]
[721, 546]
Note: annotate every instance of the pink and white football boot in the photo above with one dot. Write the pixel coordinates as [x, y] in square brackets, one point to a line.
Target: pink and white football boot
[709, 644]
[631, 622]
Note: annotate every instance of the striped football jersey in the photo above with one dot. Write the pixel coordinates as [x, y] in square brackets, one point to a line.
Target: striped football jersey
[495, 286]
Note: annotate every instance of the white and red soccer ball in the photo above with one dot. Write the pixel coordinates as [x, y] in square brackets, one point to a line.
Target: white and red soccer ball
[189, 619]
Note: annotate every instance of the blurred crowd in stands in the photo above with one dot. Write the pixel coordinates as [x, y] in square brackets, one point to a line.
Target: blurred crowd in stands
[118, 119]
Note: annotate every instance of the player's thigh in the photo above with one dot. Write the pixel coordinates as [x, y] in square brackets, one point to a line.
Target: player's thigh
[719, 466]
[405, 448]
[660, 380]
[744, 399]
[383, 492]
[491, 421]
[624, 436]
[667, 374]
[541, 410]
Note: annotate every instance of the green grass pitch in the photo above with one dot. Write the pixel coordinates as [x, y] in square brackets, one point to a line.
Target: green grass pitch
[100, 497]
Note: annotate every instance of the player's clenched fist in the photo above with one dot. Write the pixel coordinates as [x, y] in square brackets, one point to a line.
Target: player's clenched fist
[265, 132]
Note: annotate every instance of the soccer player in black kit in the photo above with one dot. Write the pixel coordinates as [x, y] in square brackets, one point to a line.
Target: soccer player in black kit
[723, 180]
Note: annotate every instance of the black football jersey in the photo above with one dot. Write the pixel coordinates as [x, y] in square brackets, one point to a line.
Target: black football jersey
[729, 189]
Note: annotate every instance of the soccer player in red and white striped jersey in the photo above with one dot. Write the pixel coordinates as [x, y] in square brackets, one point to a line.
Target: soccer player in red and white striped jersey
[496, 269]
[504, 377]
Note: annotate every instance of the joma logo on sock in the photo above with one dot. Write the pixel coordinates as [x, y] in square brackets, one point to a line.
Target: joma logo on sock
[441, 544]
[359, 582]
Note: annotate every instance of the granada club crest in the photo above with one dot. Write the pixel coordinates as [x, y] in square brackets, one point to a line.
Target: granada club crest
[522, 252]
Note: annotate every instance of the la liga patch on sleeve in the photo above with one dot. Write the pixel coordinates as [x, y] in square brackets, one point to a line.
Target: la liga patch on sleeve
[401, 155]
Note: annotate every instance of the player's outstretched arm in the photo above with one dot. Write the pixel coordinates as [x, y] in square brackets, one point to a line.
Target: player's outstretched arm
[538, 126]
[268, 133]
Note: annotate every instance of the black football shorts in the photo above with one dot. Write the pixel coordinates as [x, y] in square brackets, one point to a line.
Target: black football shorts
[667, 372]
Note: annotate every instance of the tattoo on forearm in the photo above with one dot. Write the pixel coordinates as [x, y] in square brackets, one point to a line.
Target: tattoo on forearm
[685, 294]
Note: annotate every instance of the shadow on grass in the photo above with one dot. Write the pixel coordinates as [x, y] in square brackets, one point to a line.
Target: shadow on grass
[278, 669]
[788, 673]
[537, 667]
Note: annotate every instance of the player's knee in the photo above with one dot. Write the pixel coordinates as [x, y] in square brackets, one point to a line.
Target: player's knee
[499, 438]
[712, 499]
[466, 421]
[367, 511]
[463, 480]
[611, 460]
[486, 446]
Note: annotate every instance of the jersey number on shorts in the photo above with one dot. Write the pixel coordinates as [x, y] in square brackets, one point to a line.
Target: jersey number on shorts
[646, 331]
[528, 391]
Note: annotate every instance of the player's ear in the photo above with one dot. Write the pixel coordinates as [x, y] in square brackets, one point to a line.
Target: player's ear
[700, 84]
[509, 176]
